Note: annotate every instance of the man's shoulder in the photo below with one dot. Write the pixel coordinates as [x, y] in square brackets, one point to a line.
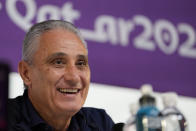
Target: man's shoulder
[15, 109]
[16, 100]
[15, 103]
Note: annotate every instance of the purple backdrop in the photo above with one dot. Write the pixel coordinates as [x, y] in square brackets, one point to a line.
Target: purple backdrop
[131, 42]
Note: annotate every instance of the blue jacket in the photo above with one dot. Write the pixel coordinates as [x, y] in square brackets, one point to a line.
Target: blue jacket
[22, 116]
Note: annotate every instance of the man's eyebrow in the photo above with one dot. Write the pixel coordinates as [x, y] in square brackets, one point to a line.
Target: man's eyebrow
[82, 57]
[55, 55]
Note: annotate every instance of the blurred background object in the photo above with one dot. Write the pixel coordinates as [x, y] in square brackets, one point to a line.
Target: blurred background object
[4, 77]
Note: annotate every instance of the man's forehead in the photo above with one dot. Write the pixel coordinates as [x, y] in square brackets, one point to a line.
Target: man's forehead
[61, 38]
[62, 54]
[50, 48]
[59, 34]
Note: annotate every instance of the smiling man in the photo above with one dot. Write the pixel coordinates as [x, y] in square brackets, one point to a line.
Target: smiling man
[56, 75]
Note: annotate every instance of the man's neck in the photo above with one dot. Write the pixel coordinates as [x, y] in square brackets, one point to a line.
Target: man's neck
[60, 122]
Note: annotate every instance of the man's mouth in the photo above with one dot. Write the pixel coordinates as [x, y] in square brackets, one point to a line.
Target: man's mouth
[68, 90]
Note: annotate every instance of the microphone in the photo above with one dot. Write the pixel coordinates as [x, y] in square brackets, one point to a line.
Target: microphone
[118, 127]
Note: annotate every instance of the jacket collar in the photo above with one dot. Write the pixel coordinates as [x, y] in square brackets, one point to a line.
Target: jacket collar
[33, 119]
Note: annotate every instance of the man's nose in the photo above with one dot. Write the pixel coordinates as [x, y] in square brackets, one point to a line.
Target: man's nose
[71, 76]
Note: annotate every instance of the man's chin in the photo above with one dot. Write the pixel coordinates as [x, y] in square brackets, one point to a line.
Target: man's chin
[70, 110]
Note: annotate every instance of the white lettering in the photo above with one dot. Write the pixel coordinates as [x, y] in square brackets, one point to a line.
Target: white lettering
[171, 33]
[24, 22]
[48, 12]
[188, 47]
[68, 13]
[125, 27]
[162, 34]
[143, 40]
[94, 35]
[0, 6]
[107, 25]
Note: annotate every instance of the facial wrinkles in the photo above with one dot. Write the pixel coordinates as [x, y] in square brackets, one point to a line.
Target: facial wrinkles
[61, 83]
[71, 76]
[70, 45]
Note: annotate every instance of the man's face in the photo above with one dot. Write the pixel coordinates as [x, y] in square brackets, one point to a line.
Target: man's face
[60, 73]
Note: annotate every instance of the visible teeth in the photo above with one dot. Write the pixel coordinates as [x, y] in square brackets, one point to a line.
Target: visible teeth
[64, 90]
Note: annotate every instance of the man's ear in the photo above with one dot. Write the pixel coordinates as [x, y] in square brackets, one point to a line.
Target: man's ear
[24, 71]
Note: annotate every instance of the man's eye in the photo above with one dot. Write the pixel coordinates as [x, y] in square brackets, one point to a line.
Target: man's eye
[58, 62]
[81, 63]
